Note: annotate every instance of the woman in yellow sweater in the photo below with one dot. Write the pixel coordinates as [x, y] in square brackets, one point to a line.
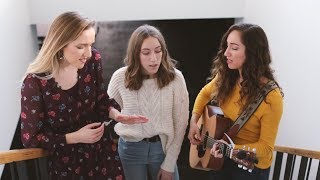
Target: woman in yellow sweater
[240, 69]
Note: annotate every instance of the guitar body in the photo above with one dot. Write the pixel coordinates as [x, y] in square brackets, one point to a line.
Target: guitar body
[210, 125]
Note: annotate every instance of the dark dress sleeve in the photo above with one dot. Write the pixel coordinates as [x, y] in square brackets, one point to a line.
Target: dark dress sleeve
[104, 102]
[35, 128]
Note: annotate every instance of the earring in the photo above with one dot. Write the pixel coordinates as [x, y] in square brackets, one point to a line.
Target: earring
[60, 55]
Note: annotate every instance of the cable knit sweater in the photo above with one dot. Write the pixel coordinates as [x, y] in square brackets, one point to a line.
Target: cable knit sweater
[167, 109]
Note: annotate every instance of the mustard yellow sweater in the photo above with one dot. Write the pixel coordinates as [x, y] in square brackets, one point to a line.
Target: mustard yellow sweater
[261, 129]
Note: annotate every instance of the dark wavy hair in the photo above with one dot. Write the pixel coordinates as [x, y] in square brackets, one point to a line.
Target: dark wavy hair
[255, 67]
[134, 76]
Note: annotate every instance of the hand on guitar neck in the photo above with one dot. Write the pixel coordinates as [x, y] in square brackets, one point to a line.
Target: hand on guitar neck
[208, 155]
[217, 148]
[245, 158]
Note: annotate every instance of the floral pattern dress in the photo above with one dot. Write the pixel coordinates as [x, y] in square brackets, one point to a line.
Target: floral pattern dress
[48, 113]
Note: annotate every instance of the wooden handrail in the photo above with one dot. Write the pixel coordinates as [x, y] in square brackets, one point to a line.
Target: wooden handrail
[297, 151]
[21, 154]
[33, 153]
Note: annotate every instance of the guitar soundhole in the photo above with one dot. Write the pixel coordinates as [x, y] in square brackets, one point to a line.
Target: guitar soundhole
[202, 147]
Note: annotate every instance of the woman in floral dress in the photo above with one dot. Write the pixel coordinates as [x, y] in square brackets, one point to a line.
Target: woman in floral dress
[64, 104]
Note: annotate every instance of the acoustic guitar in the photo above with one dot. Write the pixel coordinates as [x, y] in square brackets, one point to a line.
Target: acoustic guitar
[213, 127]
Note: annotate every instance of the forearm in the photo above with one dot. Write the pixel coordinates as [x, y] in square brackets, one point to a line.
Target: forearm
[194, 118]
[71, 138]
[114, 113]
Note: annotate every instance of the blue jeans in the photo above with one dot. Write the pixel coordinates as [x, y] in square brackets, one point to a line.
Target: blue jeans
[142, 158]
[230, 171]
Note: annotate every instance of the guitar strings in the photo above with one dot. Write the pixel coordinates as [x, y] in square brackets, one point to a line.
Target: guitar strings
[212, 141]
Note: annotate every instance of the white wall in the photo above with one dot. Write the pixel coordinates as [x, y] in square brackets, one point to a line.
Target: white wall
[103, 10]
[292, 27]
[293, 30]
[17, 49]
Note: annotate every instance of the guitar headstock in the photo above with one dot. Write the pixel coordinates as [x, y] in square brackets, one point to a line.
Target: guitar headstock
[244, 158]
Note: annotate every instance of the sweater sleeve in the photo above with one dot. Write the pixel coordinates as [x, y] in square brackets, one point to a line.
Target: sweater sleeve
[180, 122]
[204, 96]
[35, 132]
[270, 119]
[113, 87]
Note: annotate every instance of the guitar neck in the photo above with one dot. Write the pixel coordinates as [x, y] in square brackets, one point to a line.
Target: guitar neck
[224, 148]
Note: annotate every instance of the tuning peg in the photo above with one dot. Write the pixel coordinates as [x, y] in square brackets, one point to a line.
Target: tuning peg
[254, 150]
[243, 167]
[250, 170]
[239, 165]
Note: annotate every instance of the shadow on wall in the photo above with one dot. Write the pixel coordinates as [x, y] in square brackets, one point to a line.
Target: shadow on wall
[193, 43]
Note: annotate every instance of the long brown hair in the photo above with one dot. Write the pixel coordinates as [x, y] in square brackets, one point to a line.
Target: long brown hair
[64, 29]
[134, 76]
[255, 67]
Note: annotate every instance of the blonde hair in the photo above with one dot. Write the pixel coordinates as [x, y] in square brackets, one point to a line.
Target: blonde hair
[66, 28]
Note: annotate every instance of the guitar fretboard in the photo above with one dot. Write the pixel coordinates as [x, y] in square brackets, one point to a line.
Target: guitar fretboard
[225, 149]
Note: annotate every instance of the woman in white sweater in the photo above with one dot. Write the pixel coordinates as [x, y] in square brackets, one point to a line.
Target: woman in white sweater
[149, 85]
